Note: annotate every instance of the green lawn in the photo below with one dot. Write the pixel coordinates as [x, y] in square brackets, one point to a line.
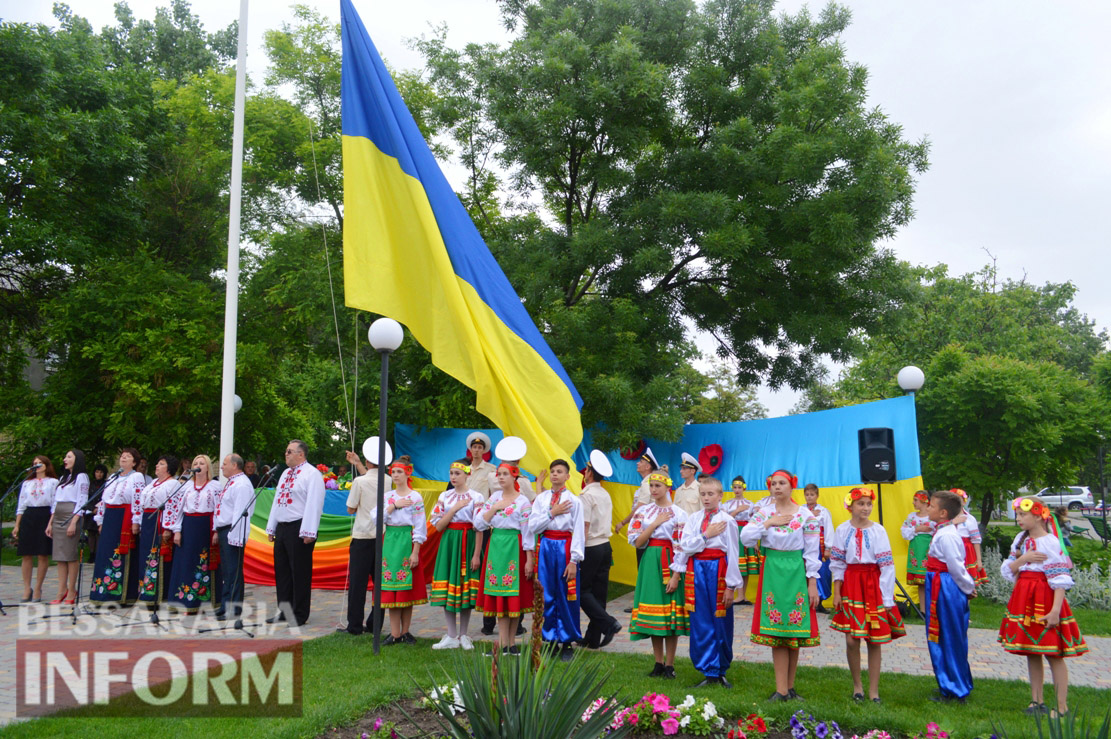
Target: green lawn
[343, 680]
[985, 614]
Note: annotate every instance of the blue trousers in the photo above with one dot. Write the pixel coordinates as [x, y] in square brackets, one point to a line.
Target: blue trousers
[949, 654]
[561, 616]
[711, 637]
[825, 581]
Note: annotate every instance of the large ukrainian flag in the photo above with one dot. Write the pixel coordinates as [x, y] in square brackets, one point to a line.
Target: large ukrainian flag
[411, 252]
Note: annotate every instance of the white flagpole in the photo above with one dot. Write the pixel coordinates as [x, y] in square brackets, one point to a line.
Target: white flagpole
[231, 302]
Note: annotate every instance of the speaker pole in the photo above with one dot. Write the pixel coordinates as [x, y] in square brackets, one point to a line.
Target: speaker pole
[879, 499]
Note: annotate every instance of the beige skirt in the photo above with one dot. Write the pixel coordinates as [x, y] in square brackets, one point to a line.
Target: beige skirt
[65, 547]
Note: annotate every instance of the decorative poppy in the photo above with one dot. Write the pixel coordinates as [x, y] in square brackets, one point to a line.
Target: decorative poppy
[711, 458]
[634, 452]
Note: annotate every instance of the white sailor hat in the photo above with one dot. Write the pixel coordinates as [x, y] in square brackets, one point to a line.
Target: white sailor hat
[370, 451]
[601, 463]
[478, 436]
[690, 461]
[650, 456]
[511, 449]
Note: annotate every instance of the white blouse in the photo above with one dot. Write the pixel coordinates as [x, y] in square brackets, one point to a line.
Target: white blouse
[74, 491]
[969, 529]
[948, 547]
[541, 520]
[671, 529]
[196, 500]
[870, 545]
[694, 541]
[449, 498]
[801, 533]
[154, 495]
[1056, 566]
[916, 519]
[37, 492]
[515, 516]
[124, 490]
[730, 506]
[410, 515]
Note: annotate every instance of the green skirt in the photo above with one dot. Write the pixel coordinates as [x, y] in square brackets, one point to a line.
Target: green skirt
[454, 583]
[784, 616]
[655, 611]
[402, 586]
[918, 550]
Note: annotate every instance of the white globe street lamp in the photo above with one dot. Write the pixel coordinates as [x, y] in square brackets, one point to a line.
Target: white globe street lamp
[385, 335]
[911, 379]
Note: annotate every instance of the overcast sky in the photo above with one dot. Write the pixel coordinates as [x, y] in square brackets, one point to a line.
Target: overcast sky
[1014, 96]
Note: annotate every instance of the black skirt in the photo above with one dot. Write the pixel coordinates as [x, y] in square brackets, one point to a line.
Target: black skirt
[32, 532]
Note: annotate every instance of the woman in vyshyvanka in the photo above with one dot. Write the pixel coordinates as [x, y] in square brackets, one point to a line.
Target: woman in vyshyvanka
[32, 515]
[115, 574]
[402, 577]
[740, 508]
[505, 590]
[455, 577]
[149, 552]
[196, 561]
[783, 618]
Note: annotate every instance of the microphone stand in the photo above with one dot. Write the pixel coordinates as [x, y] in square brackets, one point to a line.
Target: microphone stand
[9, 491]
[238, 624]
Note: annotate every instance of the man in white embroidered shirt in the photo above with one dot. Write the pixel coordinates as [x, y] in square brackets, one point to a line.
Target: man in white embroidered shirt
[230, 532]
[292, 526]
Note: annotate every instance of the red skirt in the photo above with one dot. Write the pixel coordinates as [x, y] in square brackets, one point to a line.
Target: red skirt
[862, 614]
[1022, 630]
[979, 576]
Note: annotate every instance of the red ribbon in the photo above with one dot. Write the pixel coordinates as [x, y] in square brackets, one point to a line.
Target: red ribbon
[125, 528]
[935, 565]
[665, 556]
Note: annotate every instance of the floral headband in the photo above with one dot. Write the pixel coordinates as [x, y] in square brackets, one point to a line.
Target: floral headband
[859, 494]
[660, 477]
[785, 474]
[460, 466]
[963, 495]
[513, 470]
[742, 483]
[1035, 507]
[923, 496]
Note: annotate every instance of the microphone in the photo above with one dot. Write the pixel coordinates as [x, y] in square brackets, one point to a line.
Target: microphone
[195, 470]
[35, 466]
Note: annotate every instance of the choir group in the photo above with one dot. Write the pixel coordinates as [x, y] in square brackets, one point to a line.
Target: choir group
[180, 541]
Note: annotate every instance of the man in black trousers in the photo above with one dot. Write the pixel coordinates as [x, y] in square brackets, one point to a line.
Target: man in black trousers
[293, 525]
[594, 574]
[362, 554]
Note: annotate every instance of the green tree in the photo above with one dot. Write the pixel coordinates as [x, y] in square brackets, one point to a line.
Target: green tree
[726, 399]
[1013, 376]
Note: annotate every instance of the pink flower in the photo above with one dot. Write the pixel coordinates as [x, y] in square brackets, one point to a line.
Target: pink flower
[670, 726]
[634, 717]
[660, 703]
[795, 617]
[775, 617]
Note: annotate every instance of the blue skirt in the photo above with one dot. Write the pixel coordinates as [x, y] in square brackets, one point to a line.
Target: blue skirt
[115, 577]
[193, 576]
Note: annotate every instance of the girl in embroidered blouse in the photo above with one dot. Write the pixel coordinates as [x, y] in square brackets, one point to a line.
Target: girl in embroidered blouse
[402, 577]
[863, 571]
[505, 590]
[36, 498]
[783, 618]
[455, 577]
[658, 604]
[740, 508]
[1038, 621]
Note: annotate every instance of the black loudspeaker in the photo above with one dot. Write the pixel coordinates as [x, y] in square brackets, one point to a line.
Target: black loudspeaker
[877, 455]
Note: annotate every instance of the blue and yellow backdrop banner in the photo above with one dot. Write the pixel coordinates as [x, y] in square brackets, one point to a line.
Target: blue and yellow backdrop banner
[821, 448]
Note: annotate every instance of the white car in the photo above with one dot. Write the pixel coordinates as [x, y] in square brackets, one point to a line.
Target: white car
[1073, 497]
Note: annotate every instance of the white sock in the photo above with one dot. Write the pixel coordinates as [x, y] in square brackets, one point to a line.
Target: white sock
[449, 617]
[464, 621]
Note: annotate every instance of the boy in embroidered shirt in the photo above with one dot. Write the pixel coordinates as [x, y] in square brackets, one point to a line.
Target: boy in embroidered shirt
[557, 524]
[825, 537]
[711, 542]
[949, 586]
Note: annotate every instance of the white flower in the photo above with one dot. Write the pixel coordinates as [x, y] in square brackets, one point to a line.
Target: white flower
[708, 711]
[685, 720]
[687, 702]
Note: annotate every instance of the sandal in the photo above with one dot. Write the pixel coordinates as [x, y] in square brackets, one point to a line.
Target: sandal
[858, 697]
[1034, 708]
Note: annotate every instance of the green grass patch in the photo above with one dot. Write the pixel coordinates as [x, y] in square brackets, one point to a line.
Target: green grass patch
[343, 681]
[618, 589]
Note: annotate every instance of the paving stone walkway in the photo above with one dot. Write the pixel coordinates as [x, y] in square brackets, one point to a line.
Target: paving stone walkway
[907, 655]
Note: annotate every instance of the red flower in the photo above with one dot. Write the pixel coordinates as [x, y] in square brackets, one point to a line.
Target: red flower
[711, 458]
[775, 616]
